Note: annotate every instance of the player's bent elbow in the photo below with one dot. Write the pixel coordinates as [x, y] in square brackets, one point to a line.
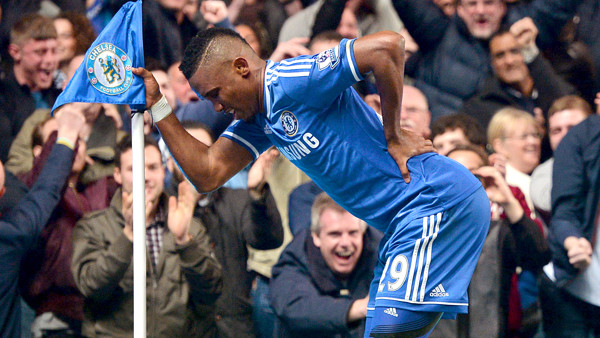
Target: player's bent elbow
[391, 41]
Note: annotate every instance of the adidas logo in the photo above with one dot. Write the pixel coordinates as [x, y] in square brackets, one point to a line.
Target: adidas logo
[391, 311]
[439, 291]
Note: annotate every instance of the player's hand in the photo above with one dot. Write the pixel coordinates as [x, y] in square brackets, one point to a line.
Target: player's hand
[289, 49]
[181, 211]
[153, 93]
[407, 145]
[579, 251]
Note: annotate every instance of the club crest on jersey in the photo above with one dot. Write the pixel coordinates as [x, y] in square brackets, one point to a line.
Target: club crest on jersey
[109, 69]
[289, 122]
[329, 58]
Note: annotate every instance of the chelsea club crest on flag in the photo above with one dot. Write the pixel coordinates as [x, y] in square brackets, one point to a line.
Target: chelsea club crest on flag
[109, 69]
[105, 74]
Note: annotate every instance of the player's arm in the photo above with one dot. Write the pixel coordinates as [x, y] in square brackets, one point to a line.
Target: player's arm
[207, 167]
[383, 54]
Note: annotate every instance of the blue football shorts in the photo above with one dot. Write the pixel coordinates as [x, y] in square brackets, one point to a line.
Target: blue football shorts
[427, 262]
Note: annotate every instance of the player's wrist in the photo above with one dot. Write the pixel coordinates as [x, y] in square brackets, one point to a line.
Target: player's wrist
[160, 109]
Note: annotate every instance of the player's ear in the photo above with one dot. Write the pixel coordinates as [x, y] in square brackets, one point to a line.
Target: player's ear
[241, 66]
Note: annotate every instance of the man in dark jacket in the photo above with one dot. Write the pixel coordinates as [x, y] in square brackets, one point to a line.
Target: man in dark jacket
[522, 78]
[234, 220]
[46, 282]
[30, 83]
[570, 288]
[20, 227]
[320, 284]
[453, 59]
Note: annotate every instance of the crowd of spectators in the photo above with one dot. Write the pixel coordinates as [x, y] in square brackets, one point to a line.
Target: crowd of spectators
[508, 88]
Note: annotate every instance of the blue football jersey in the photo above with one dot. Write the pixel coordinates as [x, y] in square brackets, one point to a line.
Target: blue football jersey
[316, 119]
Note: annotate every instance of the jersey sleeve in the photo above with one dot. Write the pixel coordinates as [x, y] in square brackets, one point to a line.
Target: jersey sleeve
[249, 136]
[331, 73]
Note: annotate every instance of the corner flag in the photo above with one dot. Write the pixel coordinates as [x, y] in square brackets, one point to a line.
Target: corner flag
[105, 74]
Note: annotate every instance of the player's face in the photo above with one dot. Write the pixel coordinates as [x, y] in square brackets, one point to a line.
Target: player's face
[560, 123]
[507, 61]
[447, 141]
[522, 146]
[38, 60]
[340, 240]
[482, 17]
[227, 89]
[155, 173]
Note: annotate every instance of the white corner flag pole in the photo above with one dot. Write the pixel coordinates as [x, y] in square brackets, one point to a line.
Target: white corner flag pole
[139, 226]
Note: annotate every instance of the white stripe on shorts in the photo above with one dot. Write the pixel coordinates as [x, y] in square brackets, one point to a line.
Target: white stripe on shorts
[434, 236]
[430, 230]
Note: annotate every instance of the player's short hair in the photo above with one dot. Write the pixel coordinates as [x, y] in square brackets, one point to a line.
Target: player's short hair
[125, 144]
[504, 120]
[470, 127]
[32, 26]
[321, 203]
[83, 31]
[570, 102]
[198, 49]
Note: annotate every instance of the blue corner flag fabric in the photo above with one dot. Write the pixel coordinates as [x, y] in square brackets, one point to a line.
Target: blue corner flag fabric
[105, 74]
